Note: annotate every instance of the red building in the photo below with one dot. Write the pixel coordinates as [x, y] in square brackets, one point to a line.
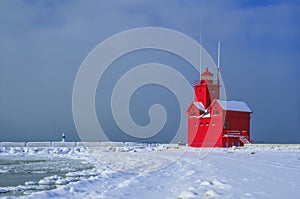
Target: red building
[213, 122]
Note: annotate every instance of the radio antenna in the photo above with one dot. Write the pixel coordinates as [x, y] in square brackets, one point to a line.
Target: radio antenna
[200, 50]
[218, 69]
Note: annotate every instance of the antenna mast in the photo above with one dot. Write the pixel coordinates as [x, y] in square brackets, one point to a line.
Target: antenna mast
[200, 53]
[200, 49]
[219, 46]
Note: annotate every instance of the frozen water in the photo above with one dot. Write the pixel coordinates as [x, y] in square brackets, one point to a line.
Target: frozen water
[24, 169]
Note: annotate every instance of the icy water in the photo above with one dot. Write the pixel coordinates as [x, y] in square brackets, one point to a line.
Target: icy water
[22, 175]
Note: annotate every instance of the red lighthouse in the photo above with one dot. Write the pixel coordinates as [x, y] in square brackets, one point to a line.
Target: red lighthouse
[213, 122]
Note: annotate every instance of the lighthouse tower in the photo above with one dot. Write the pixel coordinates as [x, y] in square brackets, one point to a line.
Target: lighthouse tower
[206, 90]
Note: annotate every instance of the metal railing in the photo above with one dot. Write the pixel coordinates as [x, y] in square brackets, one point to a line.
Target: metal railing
[197, 82]
[242, 135]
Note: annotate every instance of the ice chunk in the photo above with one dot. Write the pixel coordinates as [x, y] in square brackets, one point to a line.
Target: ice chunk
[187, 194]
[46, 181]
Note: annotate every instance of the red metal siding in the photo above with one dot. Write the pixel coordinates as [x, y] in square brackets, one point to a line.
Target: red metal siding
[238, 120]
[206, 93]
[239, 127]
[205, 132]
[221, 129]
[201, 94]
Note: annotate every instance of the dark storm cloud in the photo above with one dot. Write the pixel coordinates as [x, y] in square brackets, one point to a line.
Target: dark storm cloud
[43, 44]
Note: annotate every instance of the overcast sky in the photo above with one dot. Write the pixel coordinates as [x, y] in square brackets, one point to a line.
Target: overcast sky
[43, 43]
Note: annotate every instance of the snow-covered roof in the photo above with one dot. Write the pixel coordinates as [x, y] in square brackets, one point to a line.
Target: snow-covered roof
[199, 106]
[206, 115]
[234, 106]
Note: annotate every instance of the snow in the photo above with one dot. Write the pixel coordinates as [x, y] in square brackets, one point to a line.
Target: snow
[12, 144]
[63, 144]
[205, 183]
[231, 105]
[205, 115]
[38, 144]
[199, 106]
[187, 194]
[167, 171]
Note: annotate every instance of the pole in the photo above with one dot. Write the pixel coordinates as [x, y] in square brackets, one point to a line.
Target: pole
[200, 53]
[200, 49]
[218, 79]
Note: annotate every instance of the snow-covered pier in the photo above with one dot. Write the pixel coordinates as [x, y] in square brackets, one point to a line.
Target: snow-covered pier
[76, 144]
[271, 145]
[57, 144]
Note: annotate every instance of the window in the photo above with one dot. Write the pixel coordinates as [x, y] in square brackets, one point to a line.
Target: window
[206, 123]
[201, 124]
[213, 123]
[195, 123]
[216, 111]
[193, 112]
[227, 125]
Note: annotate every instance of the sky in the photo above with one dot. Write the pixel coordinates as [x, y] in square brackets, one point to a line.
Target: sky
[43, 44]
